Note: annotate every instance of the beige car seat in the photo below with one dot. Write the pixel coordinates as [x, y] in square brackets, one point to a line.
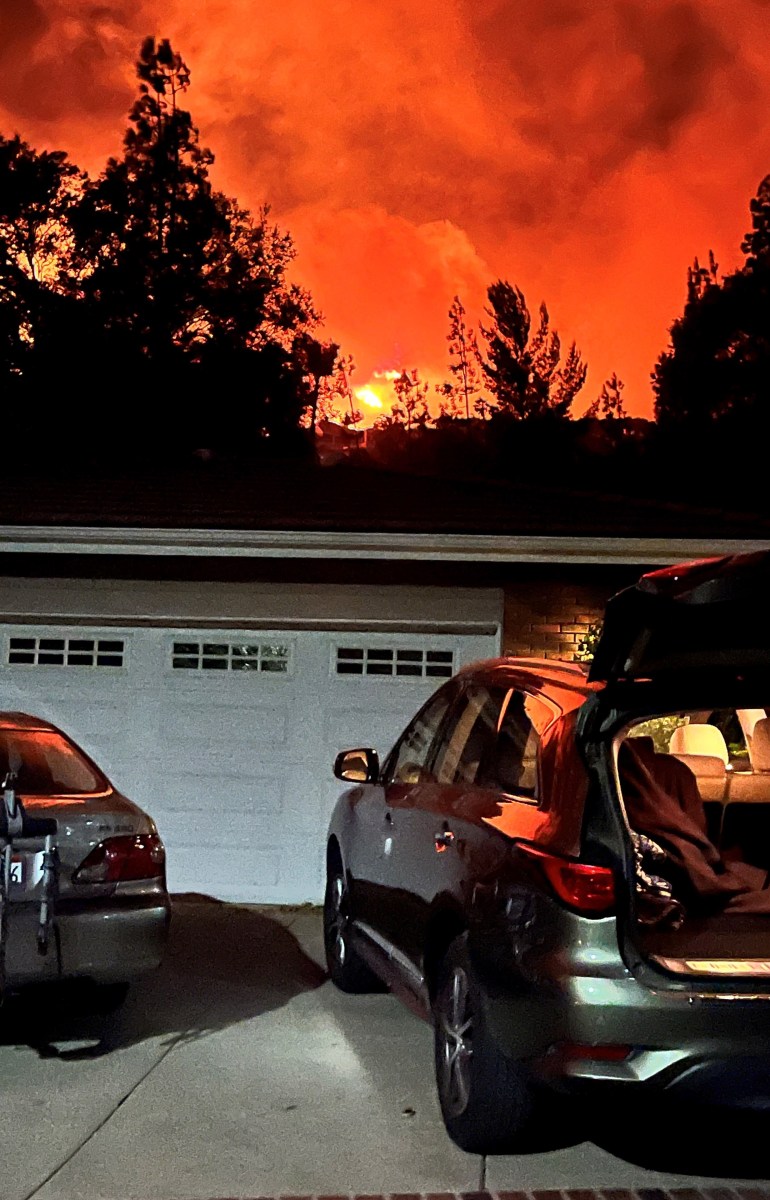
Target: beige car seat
[703, 749]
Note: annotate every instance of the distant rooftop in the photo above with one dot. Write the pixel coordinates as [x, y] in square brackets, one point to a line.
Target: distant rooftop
[275, 497]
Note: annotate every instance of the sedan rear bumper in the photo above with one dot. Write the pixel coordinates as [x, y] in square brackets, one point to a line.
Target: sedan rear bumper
[114, 945]
[106, 943]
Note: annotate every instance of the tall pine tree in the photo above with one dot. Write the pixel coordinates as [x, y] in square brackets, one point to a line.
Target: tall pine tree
[462, 394]
[523, 367]
[185, 288]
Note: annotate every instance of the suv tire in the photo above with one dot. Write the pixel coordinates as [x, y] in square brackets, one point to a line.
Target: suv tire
[486, 1097]
[347, 969]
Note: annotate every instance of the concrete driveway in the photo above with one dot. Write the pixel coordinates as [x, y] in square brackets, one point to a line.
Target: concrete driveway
[239, 1071]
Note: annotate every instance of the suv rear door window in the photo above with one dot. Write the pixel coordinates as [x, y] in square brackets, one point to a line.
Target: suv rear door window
[491, 740]
[512, 764]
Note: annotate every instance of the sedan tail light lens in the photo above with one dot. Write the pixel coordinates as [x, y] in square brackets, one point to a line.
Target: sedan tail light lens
[587, 889]
[118, 859]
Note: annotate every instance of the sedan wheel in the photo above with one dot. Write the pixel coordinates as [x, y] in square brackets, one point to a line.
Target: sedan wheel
[346, 968]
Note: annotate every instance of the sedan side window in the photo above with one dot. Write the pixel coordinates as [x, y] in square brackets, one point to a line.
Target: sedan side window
[408, 762]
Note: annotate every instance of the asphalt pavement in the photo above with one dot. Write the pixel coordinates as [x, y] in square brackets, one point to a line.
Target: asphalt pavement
[237, 1070]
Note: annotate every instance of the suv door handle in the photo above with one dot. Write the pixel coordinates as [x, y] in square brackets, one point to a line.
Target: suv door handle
[443, 839]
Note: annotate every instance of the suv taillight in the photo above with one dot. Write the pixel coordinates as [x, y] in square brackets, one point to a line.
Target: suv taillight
[117, 859]
[588, 889]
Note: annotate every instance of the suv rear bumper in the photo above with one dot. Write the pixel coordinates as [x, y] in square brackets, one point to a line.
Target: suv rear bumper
[677, 1041]
[723, 1075]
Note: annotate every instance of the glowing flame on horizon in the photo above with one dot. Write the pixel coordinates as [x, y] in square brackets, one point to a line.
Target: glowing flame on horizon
[368, 396]
[376, 394]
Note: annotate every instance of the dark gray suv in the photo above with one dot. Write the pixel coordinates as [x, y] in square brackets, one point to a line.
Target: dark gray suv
[569, 871]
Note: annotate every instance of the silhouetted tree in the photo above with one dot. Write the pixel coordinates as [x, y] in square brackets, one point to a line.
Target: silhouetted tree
[716, 370]
[450, 406]
[756, 244]
[608, 405]
[164, 254]
[509, 367]
[181, 283]
[336, 400]
[317, 361]
[522, 367]
[147, 227]
[460, 396]
[411, 407]
[36, 195]
[700, 279]
[567, 382]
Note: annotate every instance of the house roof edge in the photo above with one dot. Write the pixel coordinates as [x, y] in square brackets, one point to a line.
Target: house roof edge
[434, 547]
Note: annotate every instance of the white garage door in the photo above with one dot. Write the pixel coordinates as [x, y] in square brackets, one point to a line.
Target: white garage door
[228, 737]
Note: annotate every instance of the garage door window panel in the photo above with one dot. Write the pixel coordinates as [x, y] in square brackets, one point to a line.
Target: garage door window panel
[393, 662]
[47, 651]
[255, 657]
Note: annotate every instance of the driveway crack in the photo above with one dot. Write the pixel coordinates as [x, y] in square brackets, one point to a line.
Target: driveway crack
[101, 1124]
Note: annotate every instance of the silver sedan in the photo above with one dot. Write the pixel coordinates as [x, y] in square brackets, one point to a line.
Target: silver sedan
[111, 907]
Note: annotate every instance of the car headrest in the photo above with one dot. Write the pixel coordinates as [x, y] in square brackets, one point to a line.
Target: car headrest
[703, 765]
[699, 739]
[760, 745]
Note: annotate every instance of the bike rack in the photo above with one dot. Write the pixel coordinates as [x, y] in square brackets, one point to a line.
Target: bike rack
[17, 826]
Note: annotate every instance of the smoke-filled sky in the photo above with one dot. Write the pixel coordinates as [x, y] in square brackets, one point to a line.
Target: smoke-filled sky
[586, 150]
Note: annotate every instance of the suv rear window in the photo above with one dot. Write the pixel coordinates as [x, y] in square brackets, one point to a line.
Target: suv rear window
[46, 764]
[726, 720]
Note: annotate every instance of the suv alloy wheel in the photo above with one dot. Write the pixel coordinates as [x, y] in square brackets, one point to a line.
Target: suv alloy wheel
[486, 1098]
[346, 968]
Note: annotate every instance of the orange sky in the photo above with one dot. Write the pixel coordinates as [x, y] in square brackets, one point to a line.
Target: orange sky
[584, 149]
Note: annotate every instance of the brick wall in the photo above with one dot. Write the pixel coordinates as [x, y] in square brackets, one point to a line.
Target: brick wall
[549, 619]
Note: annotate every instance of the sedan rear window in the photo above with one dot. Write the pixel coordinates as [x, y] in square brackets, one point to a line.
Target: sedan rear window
[46, 764]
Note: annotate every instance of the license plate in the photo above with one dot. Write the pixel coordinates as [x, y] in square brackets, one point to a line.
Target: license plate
[26, 871]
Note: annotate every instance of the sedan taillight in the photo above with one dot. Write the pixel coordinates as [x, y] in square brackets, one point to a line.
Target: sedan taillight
[117, 859]
[588, 889]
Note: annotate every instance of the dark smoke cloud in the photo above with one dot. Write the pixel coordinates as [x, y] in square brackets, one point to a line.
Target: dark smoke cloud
[22, 26]
[591, 86]
[682, 57]
[59, 60]
[22, 23]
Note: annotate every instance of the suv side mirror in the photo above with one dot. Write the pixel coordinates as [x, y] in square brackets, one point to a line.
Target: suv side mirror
[357, 766]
